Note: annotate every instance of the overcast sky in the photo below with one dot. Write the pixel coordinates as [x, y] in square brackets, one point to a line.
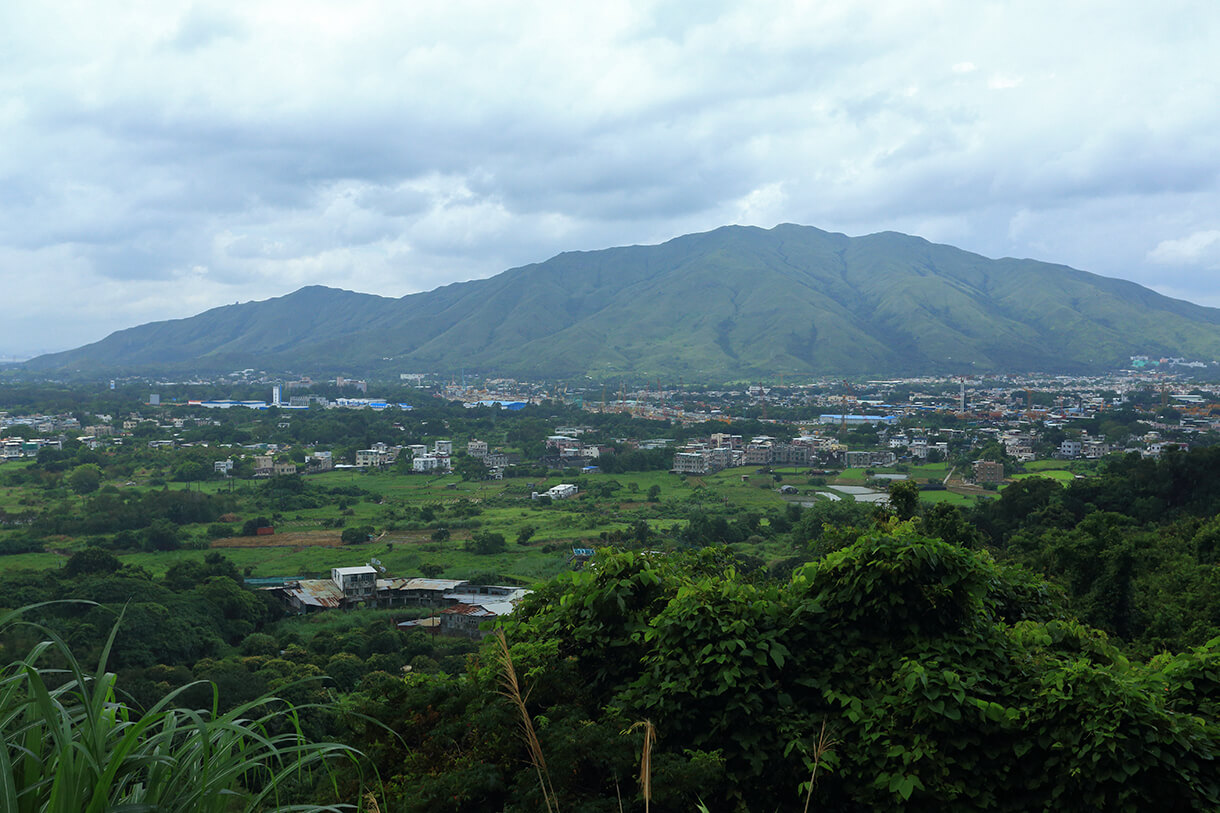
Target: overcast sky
[161, 158]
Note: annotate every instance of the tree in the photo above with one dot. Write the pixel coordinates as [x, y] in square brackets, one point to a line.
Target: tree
[192, 471]
[251, 526]
[85, 479]
[525, 534]
[470, 468]
[90, 561]
[486, 543]
[356, 535]
[654, 493]
[904, 499]
[440, 535]
[431, 570]
[161, 534]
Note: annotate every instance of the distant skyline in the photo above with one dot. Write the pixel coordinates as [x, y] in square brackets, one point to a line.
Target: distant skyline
[161, 159]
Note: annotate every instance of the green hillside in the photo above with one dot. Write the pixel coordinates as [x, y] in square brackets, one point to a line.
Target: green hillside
[734, 302]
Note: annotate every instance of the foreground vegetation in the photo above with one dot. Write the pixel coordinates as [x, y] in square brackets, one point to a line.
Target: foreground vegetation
[73, 742]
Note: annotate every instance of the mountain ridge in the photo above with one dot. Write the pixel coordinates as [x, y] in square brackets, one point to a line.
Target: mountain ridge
[736, 301]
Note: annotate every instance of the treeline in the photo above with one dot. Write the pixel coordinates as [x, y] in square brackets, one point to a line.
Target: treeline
[200, 623]
[1135, 549]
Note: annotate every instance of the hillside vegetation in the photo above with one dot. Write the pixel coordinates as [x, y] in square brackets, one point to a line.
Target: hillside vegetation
[737, 301]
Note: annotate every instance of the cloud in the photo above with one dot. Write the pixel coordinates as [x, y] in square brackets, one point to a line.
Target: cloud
[1199, 248]
[190, 157]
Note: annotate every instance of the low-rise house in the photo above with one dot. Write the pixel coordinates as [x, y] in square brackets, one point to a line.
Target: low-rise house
[790, 454]
[372, 458]
[988, 471]
[357, 584]
[560, 492]
[426, 463]
[310, 595]
[758, 454]
[1070, 449]
[416, 592]
[690, 463]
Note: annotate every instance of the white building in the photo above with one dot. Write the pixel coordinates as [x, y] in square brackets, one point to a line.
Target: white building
[429, 462]
[560, 492]
[356, 583]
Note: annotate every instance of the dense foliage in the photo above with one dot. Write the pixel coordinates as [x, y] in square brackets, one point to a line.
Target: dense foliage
[948, 681]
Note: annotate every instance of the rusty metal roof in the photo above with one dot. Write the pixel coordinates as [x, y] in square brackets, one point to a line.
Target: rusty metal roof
[468, 609]
[315, 592]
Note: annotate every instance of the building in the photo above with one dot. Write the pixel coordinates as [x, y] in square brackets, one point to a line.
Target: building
[988, 471]
[857, 420]
[690, 463]
[357, 584]
[372, 458]
[560, 492]
[264, 465]
[426, 463]
[758, 453]
[1070, 449]
[790, 454]
[476, 448]
[864, 460]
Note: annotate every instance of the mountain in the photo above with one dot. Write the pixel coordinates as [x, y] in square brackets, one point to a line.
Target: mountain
[730, 303]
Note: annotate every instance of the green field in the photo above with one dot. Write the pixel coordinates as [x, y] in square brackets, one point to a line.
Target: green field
[608, 503]
[392, 503]
[1053, 474]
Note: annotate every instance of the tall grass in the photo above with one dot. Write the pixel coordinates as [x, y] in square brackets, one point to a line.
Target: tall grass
[650, 737]
[510, 688]
[71, 745]
[824, 745]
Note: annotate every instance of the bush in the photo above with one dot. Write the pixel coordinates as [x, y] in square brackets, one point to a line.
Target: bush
[485, 543]
[356, 535]
[251, 526]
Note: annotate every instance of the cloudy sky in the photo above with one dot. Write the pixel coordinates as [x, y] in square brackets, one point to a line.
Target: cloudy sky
[161, 158]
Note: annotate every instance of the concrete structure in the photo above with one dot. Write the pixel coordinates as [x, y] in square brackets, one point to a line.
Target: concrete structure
[988, 471]
[426, 463]
[690, 463]
[264, 465]
[562, 491]
[372, 458]
[355, 583]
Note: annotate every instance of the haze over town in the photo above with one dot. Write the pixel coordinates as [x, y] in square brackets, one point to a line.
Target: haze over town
[161, 160]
